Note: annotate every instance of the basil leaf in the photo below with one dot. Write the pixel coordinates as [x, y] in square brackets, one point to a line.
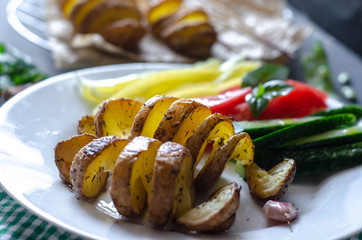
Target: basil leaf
[260, 96]
[276, 88]
[257, 103]
[265, 73]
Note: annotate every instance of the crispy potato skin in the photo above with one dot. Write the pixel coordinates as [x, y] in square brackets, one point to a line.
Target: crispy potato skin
[84, 158]
[126, 33]
[65, 151]
[169, 159]
[220, 218]
[121, 189]
[223, 226]
[272, 184]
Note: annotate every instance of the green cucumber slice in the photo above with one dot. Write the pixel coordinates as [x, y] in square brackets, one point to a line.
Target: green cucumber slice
[313, 160]
[259, 128]
[297, 131]
[329, 138]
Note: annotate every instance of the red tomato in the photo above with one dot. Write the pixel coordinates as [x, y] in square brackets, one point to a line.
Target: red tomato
[241, 112]
[297, 84]
[225, 101]
[301, 101]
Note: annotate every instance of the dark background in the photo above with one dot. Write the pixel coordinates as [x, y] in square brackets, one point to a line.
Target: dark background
[340, 18]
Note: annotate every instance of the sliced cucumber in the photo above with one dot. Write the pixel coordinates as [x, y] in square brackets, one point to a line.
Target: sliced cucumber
[352, 108]
[305, 129]
[259, 128]
[331, 138]
[314, 160]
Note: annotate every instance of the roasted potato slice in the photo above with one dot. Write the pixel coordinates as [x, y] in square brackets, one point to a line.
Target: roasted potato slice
[116, 116]
[192, 39]
[172, 189]
[158, 14]
[272, 184]
[132, 177]
[65, 152]
[191, 123]
[80, 9]
[244, 150]
[125, 33]
[86, 125]
[216, 128]
[214, 165]
[149, 116]
[94, 18]
[92, 164]
[217, 214]
[173, 118]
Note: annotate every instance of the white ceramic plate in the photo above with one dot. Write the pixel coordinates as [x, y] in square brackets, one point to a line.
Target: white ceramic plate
[32, 123]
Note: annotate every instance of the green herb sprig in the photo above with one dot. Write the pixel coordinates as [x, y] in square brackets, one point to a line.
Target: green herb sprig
[261, 95]
[17, 70]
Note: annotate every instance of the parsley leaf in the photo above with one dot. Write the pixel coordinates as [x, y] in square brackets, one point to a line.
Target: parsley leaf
[260, 96]
[15, 69]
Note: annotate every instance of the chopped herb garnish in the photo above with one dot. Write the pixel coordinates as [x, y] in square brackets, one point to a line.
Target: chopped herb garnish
[16, 69]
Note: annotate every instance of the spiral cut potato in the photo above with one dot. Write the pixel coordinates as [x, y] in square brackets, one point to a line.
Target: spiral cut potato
[152, 151]
[122, 23]
[183, 121]
[118, 21]
[186, 31]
